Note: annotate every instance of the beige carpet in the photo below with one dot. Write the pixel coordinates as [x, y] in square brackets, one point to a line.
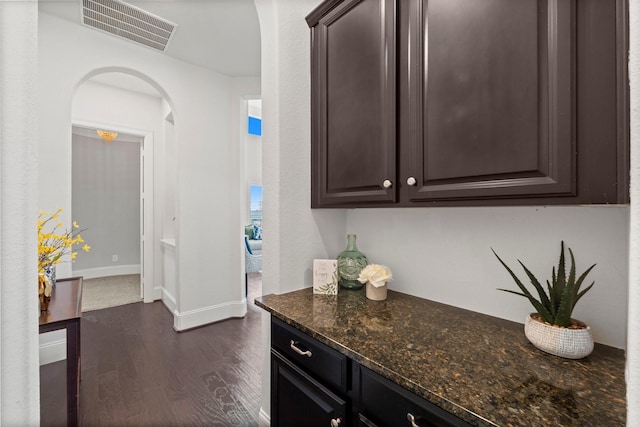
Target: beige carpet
[110, 291]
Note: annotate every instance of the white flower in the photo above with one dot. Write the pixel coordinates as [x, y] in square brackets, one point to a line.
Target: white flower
[375, 274]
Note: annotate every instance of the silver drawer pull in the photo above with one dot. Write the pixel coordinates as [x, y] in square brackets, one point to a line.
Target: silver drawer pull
[297, 350]
[412, 419]
[336, 422]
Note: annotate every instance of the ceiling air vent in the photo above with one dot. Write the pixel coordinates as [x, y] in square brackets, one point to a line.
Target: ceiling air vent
[129, 22]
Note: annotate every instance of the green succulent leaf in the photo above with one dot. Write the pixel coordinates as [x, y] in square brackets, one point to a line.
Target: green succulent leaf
[563, 290]
[540, 308]
[584, 291]
[552, 298]
[544, 300]
[561, 281]
[563, 316]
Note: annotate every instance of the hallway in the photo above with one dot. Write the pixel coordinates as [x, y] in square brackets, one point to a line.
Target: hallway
[136, 370]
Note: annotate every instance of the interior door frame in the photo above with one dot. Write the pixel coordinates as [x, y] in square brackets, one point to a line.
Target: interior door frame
[146, 199]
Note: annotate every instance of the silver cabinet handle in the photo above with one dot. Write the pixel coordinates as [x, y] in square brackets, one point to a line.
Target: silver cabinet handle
[297, 350]
[336, 422]
[387, 183]
[411, 181]
[412, 419]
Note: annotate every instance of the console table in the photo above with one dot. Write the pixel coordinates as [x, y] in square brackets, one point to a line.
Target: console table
[65, 313]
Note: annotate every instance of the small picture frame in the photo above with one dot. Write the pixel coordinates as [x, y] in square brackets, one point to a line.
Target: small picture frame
[325, 276]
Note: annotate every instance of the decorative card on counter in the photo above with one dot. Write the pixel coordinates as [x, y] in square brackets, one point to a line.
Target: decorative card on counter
[325, 276]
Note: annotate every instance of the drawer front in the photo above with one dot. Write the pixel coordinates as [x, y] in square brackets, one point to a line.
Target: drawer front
[323, 362]
[298, 400]
[387, 404]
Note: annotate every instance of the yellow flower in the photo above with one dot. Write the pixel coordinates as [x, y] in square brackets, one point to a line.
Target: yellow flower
[54, 244]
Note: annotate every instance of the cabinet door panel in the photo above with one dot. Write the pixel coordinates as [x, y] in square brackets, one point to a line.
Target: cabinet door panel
[353, 103]
[298, 400]
[491, 96]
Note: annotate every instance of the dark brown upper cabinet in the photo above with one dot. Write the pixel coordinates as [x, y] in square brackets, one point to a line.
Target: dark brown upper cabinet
[457, 102]
[354, 92]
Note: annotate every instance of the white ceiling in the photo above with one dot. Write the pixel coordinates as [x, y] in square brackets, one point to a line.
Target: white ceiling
[221, 35]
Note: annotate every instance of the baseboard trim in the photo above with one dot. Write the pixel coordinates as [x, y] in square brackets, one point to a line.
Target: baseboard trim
[264, 419]
[203, 316]
[54, 351]
[116, 270]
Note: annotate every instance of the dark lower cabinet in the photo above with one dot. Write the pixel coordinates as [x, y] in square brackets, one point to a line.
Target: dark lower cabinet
[383, 403]
[299, 400]
[315, 385]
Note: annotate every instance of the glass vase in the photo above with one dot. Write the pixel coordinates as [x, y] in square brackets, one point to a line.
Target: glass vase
[350, 263]
[50, 272]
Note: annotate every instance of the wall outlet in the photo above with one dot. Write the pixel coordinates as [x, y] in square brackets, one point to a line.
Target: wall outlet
[114, 258]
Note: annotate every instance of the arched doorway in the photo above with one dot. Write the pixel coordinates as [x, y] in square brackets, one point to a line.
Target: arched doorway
[131, 105]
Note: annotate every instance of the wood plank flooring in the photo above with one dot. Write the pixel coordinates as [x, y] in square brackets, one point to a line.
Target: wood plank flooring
[136, 370]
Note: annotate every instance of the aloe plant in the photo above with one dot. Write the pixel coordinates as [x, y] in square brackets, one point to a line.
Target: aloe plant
[564, 292]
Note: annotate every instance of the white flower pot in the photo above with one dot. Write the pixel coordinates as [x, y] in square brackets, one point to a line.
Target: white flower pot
[376, 293]
[563, 342]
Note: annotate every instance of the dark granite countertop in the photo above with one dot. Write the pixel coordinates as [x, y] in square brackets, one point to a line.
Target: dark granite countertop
[480, 368]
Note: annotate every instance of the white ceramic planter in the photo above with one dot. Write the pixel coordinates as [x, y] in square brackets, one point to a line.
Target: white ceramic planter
[376, 294]
[562, 342]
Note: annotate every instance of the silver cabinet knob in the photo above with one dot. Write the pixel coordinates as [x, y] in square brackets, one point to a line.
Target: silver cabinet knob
[411, 181]
[336, 422]
[386, 183]
[412, 420]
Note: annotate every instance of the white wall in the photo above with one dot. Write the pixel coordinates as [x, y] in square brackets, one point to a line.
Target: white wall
[106, 201]
[206, 159]
[19, 376]
[167, 179]
[293, 234]
[444, 254]
[596, 234]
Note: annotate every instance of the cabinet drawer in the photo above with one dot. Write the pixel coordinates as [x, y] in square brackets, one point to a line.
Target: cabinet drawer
[323, 362]
[298, 400]
[384, 403]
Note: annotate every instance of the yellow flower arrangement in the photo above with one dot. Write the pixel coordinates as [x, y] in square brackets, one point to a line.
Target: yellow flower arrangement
[53, 245]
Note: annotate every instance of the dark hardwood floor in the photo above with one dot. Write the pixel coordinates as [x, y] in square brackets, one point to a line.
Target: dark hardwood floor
[136, 370]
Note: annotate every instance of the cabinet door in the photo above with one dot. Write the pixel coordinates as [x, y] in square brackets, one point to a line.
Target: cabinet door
[298, 400]
[489, 99]
[353, 130]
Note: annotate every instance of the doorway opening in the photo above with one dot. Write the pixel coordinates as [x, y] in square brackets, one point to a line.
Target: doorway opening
[108, 200]
[251, 131]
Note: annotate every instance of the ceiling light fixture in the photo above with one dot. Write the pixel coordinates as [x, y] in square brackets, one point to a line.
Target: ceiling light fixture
[107, 137]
